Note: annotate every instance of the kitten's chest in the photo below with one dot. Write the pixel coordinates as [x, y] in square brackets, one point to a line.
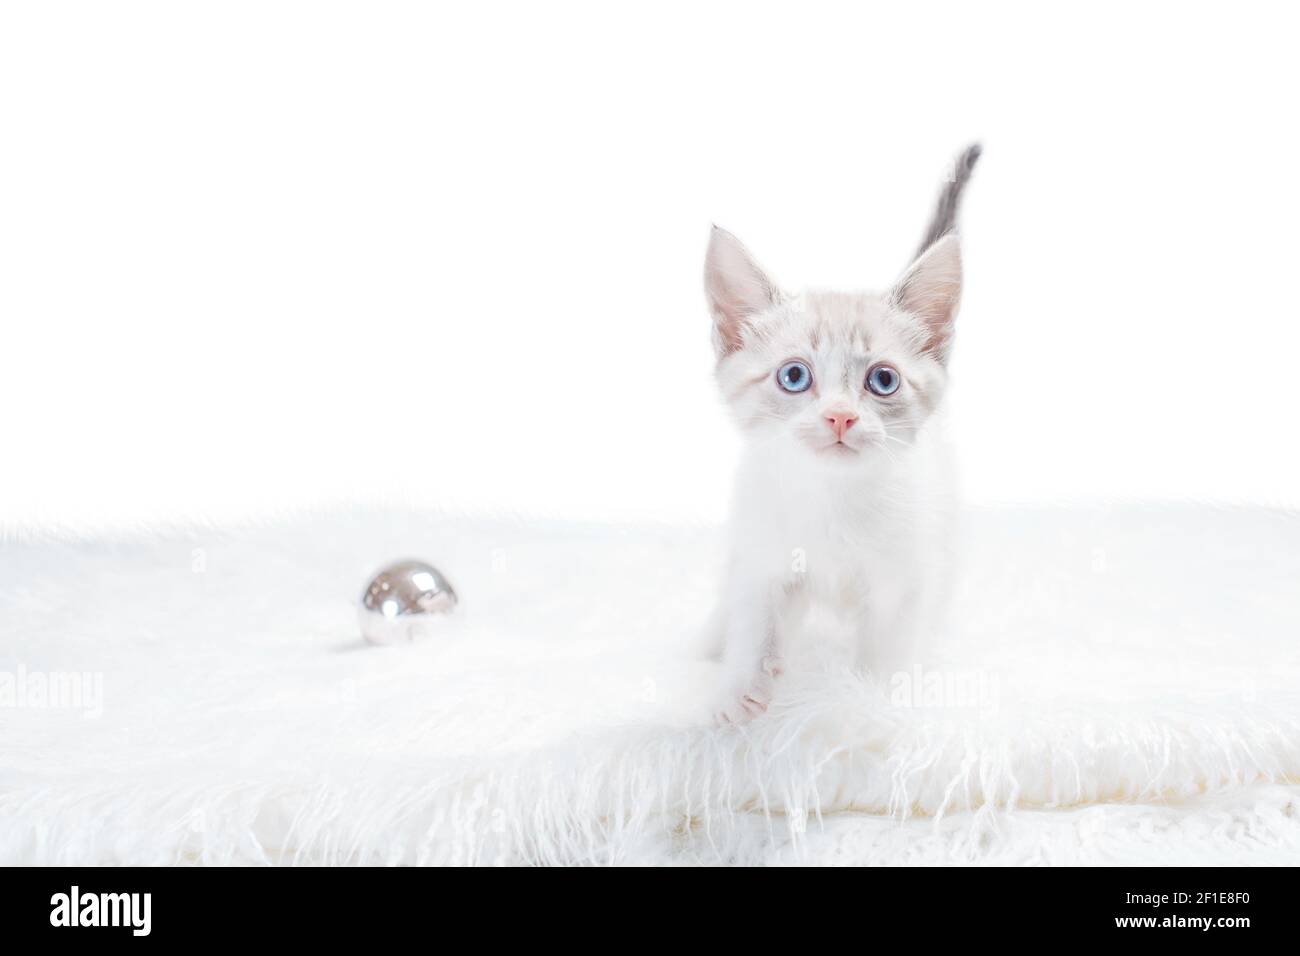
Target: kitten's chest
[841, 553]
[838, 539]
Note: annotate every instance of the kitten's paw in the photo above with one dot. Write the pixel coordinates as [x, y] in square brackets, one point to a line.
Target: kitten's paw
[748, 700]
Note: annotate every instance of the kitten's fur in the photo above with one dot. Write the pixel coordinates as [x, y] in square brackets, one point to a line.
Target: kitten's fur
[848, 521]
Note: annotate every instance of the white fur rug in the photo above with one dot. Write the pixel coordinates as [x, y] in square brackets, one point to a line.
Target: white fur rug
[1123, 685]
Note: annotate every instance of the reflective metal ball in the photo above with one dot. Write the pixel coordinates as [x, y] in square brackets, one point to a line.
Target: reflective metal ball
[401, 601]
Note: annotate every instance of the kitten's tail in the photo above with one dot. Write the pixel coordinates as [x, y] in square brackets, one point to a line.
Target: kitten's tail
[944, 219]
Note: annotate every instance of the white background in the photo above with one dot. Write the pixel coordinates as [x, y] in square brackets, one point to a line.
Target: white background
[258, 257]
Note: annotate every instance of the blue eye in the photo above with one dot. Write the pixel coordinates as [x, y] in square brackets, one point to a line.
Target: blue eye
[883, 380]
[794, 377]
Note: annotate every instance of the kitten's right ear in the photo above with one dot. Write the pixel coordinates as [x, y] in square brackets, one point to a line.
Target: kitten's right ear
[930, 290]
[737, 289]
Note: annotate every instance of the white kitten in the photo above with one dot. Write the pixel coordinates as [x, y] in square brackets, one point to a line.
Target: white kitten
[843, 494]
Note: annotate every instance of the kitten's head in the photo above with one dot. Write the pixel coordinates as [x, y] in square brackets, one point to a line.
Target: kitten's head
[841, 377]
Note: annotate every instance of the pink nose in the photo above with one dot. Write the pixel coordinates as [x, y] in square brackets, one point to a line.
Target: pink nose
[840, 422]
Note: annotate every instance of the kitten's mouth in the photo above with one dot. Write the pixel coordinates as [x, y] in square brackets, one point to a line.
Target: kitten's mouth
[844, 450]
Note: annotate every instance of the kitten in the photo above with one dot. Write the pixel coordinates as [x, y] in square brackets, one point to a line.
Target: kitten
[843, 493]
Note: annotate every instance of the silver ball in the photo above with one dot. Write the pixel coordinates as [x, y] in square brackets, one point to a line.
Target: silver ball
[401, 601]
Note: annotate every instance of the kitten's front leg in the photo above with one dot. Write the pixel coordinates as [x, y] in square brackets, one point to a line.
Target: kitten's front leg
[890, 631]
[751, 658]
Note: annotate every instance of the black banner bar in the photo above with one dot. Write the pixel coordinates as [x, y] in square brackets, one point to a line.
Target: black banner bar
[333, 906]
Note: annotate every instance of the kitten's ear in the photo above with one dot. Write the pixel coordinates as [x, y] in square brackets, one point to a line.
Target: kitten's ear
[737, 289]
[930, 290]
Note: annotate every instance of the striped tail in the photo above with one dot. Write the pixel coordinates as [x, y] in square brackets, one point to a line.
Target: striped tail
[944, 219]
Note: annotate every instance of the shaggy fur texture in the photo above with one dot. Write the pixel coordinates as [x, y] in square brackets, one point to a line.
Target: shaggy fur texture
[1136, 673]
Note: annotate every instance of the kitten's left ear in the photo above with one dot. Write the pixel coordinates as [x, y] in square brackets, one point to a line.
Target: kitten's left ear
[930, 290]
[737, 288]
